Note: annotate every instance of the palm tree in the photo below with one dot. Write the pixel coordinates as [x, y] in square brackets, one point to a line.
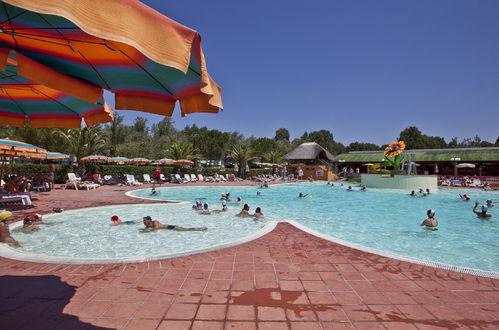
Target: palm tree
[181, 150]
[273, 156]
[242, 154]
[116, 133]
[81, 142]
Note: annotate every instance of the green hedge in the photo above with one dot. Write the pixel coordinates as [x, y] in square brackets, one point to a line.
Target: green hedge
[61, 172]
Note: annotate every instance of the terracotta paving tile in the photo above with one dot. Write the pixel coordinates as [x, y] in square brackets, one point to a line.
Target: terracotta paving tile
[232, 325]
[271, 313]
[352, 276]
[273, 326]
[174, 325]
[181, 311]
[340, 285]
[369, 297]
[162, 296]
[242, 284]
[265, 276]
[399, 326]
[386, 312]
[95, 308]
[291, 285]
[221, 275]
[347, 298]
[211, 312]
[134, 294]
[362, 286]
[215, 297]
[331, 313]
[207, 325]
[223, 266]
[359, 313]
[336, 325]
[122, 309]
[323, 298]
[267, 284]
[305, 326]
[151, 311]
[241, 312]
[444, 312]
[294, 297]
[188, 296]
[300, 314]
[399, 297]
[309, 276]
[143, 324]
[218, 285]
[369, 325]
[314, 286]
[244, 275]
[111, 323]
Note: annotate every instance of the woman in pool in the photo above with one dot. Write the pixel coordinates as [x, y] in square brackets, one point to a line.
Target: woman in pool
[4, 228]
[430, 222]
[245, 211]
[464, 197]
[154, 224]
[483, 211]
[258, 213]
[363, 188]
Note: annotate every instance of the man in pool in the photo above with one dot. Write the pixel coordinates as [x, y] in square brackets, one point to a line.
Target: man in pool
[413, 193]
[483, 211]
[206, 211]
[363, 188]
[4, 228]
[489, 203]
[430, 222]
[349, 188]
[258, 214]
[301, 195]
[154, 224]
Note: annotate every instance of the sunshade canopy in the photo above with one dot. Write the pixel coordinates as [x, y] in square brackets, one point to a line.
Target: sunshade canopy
[183, 162]
[29, 90]
[118, 159]
[465, 165]
[146, 59]
[56, 155]
[94, 157]
[140, 160]
[18, 146]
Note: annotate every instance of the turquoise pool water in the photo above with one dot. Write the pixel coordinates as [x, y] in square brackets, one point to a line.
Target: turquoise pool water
[383, 219]
[387, 220]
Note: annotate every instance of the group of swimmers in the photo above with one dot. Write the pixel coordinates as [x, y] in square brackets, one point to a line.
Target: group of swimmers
[151, 224]
[421, 193]
[204, 208]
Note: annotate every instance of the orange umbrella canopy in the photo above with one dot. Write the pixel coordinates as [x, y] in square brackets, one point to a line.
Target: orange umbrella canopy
[147, 60]
[183, 162]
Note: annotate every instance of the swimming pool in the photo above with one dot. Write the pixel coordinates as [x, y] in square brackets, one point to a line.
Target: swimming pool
[386, 220]
[382, 219]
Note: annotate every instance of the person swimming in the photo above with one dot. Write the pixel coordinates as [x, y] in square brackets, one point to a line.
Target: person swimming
[206, 211]
[363, 188]
[117, 221]
[301, 195]
[430, 222]
[29, 224]
[427, 191]
[154, 224]
[489, 204]
[413, 193]
[198, 205]
[258, 193]
[258, 214]
[483, 211]
[224, 208]
[464, 197]
[5, 236]
[239, 200]
[349, 188]
[154, 191]
[245, 211]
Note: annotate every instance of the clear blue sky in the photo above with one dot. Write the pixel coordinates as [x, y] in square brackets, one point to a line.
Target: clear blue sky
[361, 69]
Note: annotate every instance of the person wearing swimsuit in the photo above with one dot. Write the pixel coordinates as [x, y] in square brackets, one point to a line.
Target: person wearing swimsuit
[154, 224]
[430, 222]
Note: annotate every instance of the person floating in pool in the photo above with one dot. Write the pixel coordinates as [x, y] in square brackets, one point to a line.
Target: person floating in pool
[117, 221]
[239, 200]
[363, 188]
[464, 197]
[489, 204]
[206, 211]
[427, 191]
[197, 206]
[227, 196]
[483, 211]
[4, 228]
[332, 184]
[154, 191]
[413, 193]
[154, 224]
[258, 214]
[349, 188]
[421, 192]
[258, 193]
[245, 211]
[224, 208]
[29, 224]
[302, 195]
[430, 222]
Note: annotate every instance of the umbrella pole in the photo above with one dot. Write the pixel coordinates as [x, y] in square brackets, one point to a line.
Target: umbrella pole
[2, 167]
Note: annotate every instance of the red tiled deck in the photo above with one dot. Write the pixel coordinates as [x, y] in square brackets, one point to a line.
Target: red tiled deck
[287, 279]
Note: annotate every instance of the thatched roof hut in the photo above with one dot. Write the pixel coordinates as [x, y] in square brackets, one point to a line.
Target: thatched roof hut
[309, 151]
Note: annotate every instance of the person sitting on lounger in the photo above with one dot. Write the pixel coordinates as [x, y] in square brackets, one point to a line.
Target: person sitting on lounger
[245, 211]
[483, 211]
[154, 224]
[4, 228]
[430, 222]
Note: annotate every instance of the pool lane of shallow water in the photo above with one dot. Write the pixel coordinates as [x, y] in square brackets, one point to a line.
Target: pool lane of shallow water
[386, 220]
[89, 233]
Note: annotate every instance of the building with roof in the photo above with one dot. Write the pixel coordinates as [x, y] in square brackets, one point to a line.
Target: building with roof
[314, 161]
[485, 161]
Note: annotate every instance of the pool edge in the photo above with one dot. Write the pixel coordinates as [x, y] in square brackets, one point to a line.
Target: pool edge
[434, 264]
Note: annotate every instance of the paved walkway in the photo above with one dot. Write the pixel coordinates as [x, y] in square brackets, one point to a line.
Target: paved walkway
[287, 279]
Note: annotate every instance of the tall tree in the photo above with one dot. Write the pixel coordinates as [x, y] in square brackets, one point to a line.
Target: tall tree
[282, 134]
[181, 150]
[241, 154]
[81, 142]
[140, 125]
[362, 146]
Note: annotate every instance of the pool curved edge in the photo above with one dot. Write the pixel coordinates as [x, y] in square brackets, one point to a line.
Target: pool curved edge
[9, 252]
[434, 264]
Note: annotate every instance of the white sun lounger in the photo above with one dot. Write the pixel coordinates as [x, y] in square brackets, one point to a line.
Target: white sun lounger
[130, 179]
[193, 177]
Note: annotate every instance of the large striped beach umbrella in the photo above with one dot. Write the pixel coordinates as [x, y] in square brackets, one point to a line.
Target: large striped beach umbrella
[146, 59]
[47, 98]
[12, 148]
[118, 160]
[140, 160]
[56, 155]
[183, 162]
[94, 158]
[165, 161]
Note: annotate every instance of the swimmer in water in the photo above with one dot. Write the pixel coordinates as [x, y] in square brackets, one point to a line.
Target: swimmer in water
[427, 191]
[206, 211]
[413, 193]
[239, 200]
[349, 188]
[245, 211]
[489, 203]
[363, 188]
[154, 224]
[5, 236]
[117, 221]
[154, 191]
[258, 193]
[29, 225]
[430, 222]
[483, 211]
[464, 197]
[224, 208]
[301, 195]
[258, 214]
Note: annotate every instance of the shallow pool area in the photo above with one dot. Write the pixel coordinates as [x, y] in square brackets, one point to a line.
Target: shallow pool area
[89, 233]
[386, 220]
